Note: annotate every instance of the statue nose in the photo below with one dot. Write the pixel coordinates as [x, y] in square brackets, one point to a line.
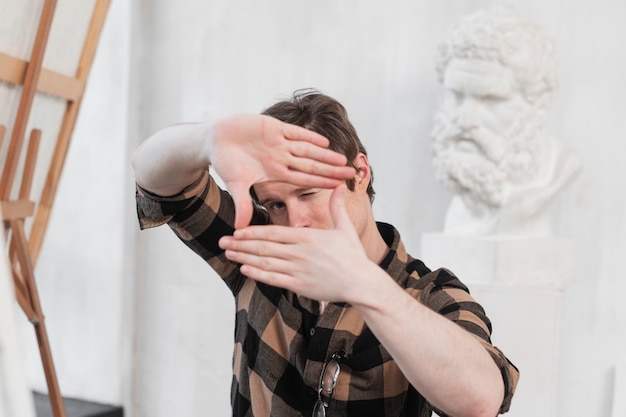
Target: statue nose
[466, 116]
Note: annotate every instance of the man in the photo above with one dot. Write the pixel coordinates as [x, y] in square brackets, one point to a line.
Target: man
[490, 145]
[333, 317]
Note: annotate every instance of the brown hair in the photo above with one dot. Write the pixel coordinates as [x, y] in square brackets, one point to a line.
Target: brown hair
[324, 115]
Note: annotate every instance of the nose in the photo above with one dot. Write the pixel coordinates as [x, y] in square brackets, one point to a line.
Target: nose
[299, 216]
[467, 117]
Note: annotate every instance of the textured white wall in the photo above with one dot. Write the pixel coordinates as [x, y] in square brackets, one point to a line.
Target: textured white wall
[196, 60]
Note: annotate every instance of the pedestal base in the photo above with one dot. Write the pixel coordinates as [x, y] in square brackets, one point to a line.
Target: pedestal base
[526, 327]
[530, 261]
[520, 285]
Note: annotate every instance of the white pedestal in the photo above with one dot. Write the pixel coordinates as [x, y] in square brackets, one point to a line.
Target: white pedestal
[520, 285]
[546, 261]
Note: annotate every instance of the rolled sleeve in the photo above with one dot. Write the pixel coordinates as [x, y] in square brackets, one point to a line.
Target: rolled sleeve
[154, 210]
[445, 293]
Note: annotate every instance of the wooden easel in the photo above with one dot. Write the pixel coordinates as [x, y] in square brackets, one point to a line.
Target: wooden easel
[18, 207]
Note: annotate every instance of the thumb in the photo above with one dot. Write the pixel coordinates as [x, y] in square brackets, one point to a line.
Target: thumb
[243, 207]
[338, 212]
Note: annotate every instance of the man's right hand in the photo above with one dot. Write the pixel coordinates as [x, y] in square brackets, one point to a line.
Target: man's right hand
[249, 149]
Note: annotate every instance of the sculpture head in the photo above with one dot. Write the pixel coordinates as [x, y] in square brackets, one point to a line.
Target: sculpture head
[498, 72]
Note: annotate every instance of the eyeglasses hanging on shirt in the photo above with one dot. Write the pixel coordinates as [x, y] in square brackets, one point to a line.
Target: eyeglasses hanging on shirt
[328, 381]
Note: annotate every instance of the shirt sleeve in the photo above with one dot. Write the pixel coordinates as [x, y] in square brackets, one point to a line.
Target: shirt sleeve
[199, 215]
[443, 292]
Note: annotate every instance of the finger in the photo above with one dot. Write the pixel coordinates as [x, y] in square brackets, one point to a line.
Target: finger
[265, 263]
[311, 166]
[295, 132]
[273, 279]
[243, 207]
[337, 203]
[253, 247]
[303, 179]
[270, 233]
[310, 151]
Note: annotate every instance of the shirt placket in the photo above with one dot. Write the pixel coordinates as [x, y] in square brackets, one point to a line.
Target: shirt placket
[321, 344]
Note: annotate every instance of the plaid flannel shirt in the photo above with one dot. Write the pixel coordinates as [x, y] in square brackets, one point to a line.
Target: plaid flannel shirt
[282, 341]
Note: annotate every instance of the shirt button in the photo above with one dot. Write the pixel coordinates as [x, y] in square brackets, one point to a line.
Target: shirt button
[312, 331]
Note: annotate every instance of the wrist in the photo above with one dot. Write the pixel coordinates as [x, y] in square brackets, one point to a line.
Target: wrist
[375, 289]
[204, 135]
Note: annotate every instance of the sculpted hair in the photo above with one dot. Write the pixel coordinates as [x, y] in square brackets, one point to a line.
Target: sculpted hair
[500, 34]
[324, 115]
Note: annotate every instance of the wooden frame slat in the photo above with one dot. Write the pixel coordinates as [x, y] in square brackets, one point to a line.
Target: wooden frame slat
[30, 164]
[17, 209]
[13, 70]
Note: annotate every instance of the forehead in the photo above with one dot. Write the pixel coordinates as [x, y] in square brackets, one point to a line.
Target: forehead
[479, 77]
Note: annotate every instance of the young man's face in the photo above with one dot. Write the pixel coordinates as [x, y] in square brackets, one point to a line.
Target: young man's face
[295, 206]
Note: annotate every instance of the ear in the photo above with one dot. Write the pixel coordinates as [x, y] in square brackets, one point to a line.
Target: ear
[363, 172]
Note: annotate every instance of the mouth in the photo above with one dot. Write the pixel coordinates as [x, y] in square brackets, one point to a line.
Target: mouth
[464, 144]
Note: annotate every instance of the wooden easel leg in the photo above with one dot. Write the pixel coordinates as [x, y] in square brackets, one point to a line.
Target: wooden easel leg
[27, 272]
[54, 392]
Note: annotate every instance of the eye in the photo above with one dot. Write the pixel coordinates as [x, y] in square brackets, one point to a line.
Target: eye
[492, 98]
[308, 193]
[274, 206]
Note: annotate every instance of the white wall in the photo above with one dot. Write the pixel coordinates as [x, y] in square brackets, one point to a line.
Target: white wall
[196, 60]
[589, 112]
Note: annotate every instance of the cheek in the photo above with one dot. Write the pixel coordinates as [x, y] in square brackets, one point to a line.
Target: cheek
[279, 220]
[318, 210]
[357, 214]
[320, 214]
[505, 115]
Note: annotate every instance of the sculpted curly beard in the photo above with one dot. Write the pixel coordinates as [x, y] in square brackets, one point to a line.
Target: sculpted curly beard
[463, 167]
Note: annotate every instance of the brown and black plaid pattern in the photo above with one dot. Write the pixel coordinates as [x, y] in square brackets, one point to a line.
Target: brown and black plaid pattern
[281, 340]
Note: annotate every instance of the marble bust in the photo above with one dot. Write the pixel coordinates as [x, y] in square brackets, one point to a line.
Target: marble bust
[491, 148]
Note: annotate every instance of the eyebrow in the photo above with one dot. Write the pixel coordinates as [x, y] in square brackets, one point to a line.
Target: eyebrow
[262, 202]
[295, 191]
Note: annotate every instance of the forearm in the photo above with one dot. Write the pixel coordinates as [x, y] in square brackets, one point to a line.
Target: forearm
[173, 157]
[443, 361]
